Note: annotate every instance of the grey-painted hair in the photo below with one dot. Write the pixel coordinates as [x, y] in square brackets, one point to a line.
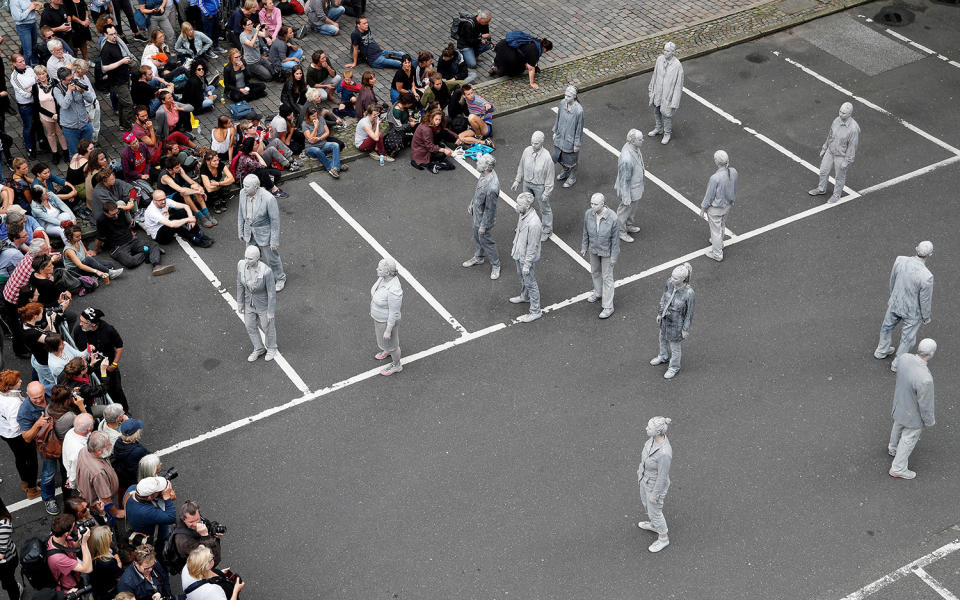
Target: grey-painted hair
[486, 162]
[927, 347]
[389, 265]
[635, 137]
[924, 249]
[670, 46]
[148, 466]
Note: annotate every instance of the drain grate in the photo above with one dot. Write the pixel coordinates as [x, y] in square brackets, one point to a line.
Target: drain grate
[895, 16]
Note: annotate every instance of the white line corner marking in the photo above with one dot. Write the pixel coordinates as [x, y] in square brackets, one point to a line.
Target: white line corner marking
[905, 570]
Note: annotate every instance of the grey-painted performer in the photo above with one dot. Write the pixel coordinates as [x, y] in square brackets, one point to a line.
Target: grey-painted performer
[568, 136]
[258, 224]
[536, 171]
[665, 90]
[674, 316]
[601, 237]
[911, 301]
[913, 407]
[653, 477]
[257, 303]
[526, 252]
[386, 299]
[629, 186]
[483, 208]
[838, 152]
[717, 202]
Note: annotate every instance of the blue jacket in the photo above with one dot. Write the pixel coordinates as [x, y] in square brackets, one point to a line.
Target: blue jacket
[133, 582]
[40, 212]
[144, 516]
[21, 12]
[73, 107]
[209, 8]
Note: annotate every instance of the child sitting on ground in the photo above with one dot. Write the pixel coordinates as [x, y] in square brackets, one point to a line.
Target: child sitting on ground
[348, 89]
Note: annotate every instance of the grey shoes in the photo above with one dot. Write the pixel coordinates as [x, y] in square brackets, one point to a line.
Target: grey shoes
[890, 350]
[271, 354]
[817, 192]
[908, 474]
[281, 283]
[664, 141]
[661, 542]
[255, 355]
[529, 317]
[495, 272]
[671, 373]
[626, 237]
[473, 260]
[605, 313]
[114, 273]
[658, 360]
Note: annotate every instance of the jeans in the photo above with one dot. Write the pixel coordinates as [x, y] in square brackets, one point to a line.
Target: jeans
[44, 374]
[289, 64]
[470, 54]
[211, 27]
[388, 59]
[903, 440]
[839, 173]
[543, 200]
[320, 153]
[74, 136]
[664, 123]
[672, 351]
[131, 254]
[333, 14]
[717, 218]
[48, 478]
[626, 214]
[654, 510]
[252, 320]
[908, 334]
[26, 115]
[485, 245]
[601, 270]
[28, 34]
[529, 289]
[93, 263]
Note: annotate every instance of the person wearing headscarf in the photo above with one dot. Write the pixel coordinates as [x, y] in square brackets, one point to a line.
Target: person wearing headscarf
[257, 303]
[629, 186]
[838, 152]
[717, 202]
[665, 90]
[674, 315]
[386, 298]
[653, 477]
[258, 224]
[911, 301]
[568, 136]
[483, 208]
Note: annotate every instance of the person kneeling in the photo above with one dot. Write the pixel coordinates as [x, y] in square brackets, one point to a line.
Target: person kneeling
[165, 218]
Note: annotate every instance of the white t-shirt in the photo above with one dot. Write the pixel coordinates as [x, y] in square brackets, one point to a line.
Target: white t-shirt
[152, 216]
[361, 134]
[279, 124]
[9, 407]
[207, 591]
[72, 443]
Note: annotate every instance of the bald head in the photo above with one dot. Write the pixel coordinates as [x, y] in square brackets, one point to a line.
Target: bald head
[83, 424]
[36, 393]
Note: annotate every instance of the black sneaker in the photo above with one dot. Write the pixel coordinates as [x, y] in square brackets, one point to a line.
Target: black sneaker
[139, 36]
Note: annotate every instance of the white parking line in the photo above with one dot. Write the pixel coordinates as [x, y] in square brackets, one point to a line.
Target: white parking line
[920, 47]
[653, 178]
[934, 584]
[903, 571]
[553, 237]
[870, 104]
[403, 271]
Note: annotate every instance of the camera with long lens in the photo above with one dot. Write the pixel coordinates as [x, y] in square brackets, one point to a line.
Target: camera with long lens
[76, 594]
[171, 474]
[80, 529]
[215, 528]
[80, 84]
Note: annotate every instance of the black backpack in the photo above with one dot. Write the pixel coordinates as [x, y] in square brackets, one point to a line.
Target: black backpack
[457, 22]
[33, 562]
[170, 557]
[100, 82]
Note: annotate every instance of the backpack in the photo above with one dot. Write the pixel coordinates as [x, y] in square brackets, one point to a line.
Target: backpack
[169, 556]
[457, 22]
[33, 563]
[516, 39]
[48, 444]
[99, 77]
[240, 110]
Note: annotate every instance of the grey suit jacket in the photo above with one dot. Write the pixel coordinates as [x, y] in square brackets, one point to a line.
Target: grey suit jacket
[263, 222]
[911, 288]
[913, 397]
[261, 298]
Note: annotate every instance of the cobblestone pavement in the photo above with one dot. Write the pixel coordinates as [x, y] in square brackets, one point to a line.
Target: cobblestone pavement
[595, 42]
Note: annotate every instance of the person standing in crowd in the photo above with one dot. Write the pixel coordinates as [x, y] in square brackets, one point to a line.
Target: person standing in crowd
[113, 417]
[198, 573]
[210, 16]
[525, 253]
[519, 53]
[653, 478]
[717, 202]
[535, 172]
[107, 567]
[66, 567]
[116, 59]
[23, 80]
[74, 120]
[96, 479]
[24, 453]
[386, 299]
[629, 186]
[47, 106]
[91, 331]
[601, 236]
[31, 417]
[913, 407]
[911, 301]
[258, 224]
[483, 209]
[665, 90]
[8, 555]
[257, 303]
[674, 316]
[73, 441]
[838, 152]
[192, 531]
[145, 577]
[473, 37]
[364, 46]
[568, 136]
[24, 13]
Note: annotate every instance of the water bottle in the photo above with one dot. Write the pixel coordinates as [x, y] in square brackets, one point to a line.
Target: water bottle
[382, 160]
[146, 249]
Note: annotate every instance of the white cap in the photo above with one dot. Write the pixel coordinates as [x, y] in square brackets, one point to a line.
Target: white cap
[151, 485]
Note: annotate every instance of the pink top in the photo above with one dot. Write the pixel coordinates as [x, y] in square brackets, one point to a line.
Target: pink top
[272, 22]
[173, 117]
[48, 102]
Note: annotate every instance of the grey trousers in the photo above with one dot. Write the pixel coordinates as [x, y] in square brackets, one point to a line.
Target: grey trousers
[626, 214]
[717, 219]
[252, 320]
[93, 111]
[839, 173]
[485, 246]
[672, 351]
[167, 22]
[276, 150]
[664, 123]
[902, 441]
[260, 70]
[392, 344]
[908, 334]
[272, 259]
[543, 200]
[654, 510]
[529, 289]
[601, 270]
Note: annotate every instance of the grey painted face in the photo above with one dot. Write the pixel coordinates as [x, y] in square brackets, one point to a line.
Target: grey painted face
[536, 140]
[486, 163]
[635, 138]
[570, 94]
[251, 255]
[386, 268]
[669, 50]
[597, 203]
[846, 111]
[524, 202]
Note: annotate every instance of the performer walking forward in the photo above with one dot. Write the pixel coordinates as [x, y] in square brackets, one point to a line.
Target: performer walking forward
[258, 224]
[483, 208]
[653, 477]
[717, 202]
[674, 317]
[838, 152]
[535, 171]
[386, 299]
[911, 299]
[601, 237]
[665, 90]
[568, 136]
[257, 303]
[913, 407]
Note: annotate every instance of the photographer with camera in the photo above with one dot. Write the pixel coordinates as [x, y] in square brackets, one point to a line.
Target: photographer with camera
[202, 581]
[62, 548]
[72, 99]
[192, 531]
[145, 578]
[150, 509]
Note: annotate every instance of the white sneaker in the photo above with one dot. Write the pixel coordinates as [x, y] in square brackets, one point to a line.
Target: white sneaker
[114, 273]
[646, 525]
[659, 544]
[281, 284]
[495, 272]
[473, 260]
[657, 360]
[271, 354]
[655, 132]
[890, 350]
[665, 140]
[671, 373]
[529, 317]
[255, 355]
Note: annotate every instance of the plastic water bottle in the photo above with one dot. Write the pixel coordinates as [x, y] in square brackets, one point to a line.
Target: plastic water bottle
[146, 249]
[382, 160]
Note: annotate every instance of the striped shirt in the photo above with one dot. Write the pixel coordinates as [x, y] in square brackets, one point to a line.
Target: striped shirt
[8, 548]
[481, 108]
[96, 479]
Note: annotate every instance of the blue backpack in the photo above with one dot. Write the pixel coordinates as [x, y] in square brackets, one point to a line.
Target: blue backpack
[517, 38]
[240, 110]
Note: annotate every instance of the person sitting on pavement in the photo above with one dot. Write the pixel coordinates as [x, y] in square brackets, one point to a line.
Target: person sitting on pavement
[135, 159]
[321, 75]
[197, 91]
[193, 44]
[480, 115]
[241, 13]
[17, 216]
[284, 53]
[284, 128]
[369, 136]
[425, 151]
[115, 237]
[473, 37]
[440, 90]
[77, 259]
[452, 66]
[322, 17]
[238, 83]
[127, 452]
[366, 48]
[273, 149]
[316, 134]
[271, 19]
[294, 93]
[64, 190]
[249, 162]
[175, 183]
[347, 89]
[144, 90]
[111, 189]
[165, 218]
[254, 43]
[404, 113]
[51, 212]
[145, 578]
[403, 80]
[517, 53]
[172, 116]
[216, 178]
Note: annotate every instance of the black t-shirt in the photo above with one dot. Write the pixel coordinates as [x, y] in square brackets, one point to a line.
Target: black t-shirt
[109, 54]
[48, 294]
[470, 32]
[212, 175]
[113, 233]
[531, 55]
[402, 78]
[31, 337]
[142, 92]
[106, 572]
[104, 338]
[368, 48]
[54, 17]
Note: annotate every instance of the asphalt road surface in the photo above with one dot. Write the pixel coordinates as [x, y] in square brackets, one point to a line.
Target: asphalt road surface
[501, 462]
